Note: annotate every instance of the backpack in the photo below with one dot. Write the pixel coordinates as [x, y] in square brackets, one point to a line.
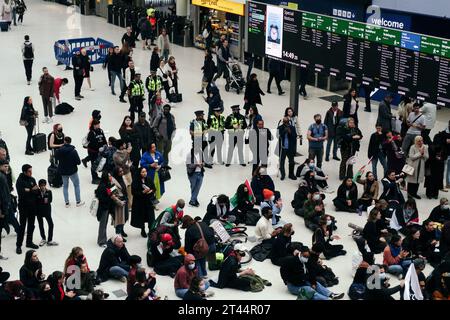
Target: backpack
[201, 247]
[63, 108]
[85, 141]
[357, 291]
[28, 51]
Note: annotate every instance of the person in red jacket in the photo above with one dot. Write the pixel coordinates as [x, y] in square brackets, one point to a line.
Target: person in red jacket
[184, 277]
[59, 82]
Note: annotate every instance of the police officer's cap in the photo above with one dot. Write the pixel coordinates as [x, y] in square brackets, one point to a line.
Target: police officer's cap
[217, 109]
[235, 107]
[199, 113]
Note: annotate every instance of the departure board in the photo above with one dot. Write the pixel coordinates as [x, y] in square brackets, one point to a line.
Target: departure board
[395, 60]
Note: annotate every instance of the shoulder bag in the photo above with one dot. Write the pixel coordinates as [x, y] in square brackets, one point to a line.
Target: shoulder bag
[201, 247]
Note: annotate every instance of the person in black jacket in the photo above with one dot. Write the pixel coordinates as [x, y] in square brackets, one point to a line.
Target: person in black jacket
[115, 64]
[275, 71]
[332, 118]
[191, 237]
[281, 247]
[441, 213]
[260, 181]
[68, 162]
[219, 209]
[161, 249]
[130, 136]
[230, 274]
[145, 132]
[196, 290]
[324, 235]
[44, 211]
[154, 60]
[115, 260]
[351, 105]
[349, 137]
[78, 73]
[105, 206]
[143, 190]
[129, 38]
[347, 196]
[97, 140]
[376, 151]
[5, 200]
[287, 142]
[244, 204]
[391, 188]
[28, 120]
[31, 273]
[209, 69]
[27, 189]
[253, 92]
[383, 292]
[372, 234]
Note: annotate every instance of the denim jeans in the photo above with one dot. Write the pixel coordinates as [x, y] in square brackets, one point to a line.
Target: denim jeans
[382, 158]
[115, 74]
[118, 272]
[320, 293]
[76, 183]
[201, 263]
[400, 268]
[181, 292]
[331, 140]
[196, 183]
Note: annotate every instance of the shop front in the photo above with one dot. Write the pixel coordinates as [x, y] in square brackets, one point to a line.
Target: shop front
[226, 18]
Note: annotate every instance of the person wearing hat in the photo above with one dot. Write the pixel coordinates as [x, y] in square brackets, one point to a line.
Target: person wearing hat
[385, 114]
[216, 125]
[5, 200]
[196, 230]
[136, 92]
[276, 204]
[145, 132]
[184, 276]
[164, 126]
[296, 276]
[164, 263]
[332, 118]
[235, 124]
[198, 129]
[153, 83]
[230, 274]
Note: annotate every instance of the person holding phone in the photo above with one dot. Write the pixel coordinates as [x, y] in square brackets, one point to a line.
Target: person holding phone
[153, 161]
[143, 190]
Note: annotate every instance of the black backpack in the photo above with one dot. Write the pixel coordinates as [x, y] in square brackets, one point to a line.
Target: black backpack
[28, 51]
[63, 108]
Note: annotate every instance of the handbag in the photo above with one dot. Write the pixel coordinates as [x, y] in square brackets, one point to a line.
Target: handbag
[409, 170]
[164, 174]
[201, 247]
[93, 208]
[23, 123]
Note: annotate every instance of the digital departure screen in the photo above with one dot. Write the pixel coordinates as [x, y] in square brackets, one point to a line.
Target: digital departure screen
[395, 60]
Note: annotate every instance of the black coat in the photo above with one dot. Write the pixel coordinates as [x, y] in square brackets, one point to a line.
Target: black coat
[154, 61]
[372, 234]
[375, 144]
[145, 132]
[439, 215]
[209, 68]
[115, 62]
[77, 63]
[211, 213]
[192, 235]
[385, 116]
[68, 160]
[352, 195]
[291, 135]
[96, 140]
[281, 248]
[143, 210]
[331, 123]
[112, 256]
[132, 137]
[294, 272]
[28, 114]
[26, 199]
[105, 203]
[228, 271]
[253, 93]
[5, 194]
[44, 201]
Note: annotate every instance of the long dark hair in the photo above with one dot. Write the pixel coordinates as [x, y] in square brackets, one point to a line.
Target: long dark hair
[25, 101]
[286, 112]
[27, 262]
[123, 126]
[105, 178]
[242, 196]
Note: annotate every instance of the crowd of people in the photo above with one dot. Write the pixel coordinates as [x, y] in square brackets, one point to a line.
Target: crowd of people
[131, 172]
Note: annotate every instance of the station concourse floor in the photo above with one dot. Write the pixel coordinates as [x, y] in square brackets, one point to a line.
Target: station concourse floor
[46, 23]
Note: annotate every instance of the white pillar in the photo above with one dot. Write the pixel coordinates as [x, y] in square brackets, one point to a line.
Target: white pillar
[182, 8]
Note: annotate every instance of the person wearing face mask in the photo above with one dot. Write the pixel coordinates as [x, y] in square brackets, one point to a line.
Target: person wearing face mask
[196, 230]
[260, 181]
[287, 147]
[313, 210]
[164, 127]
[171, 217]
[276, 204]
[380, 287]
[441, 213]
[264, 230]
[296, 276]
[164, 261]
[184, 276]
[219, 209]
[243, 203]
[282, 245]
[347, 196]
[324, 236]
[56, 138]
[317, 134]
[319, 176]
[300, 197]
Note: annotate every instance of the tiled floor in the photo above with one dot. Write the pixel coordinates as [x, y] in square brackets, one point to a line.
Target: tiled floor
[75, 226]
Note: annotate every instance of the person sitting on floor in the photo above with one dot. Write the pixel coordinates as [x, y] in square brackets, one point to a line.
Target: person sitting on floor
[395, 257]
[324, 235]
[429, 242]
[260, 181]
[276, 204]
[347, 196]
[319, 176]
[372, 233]
[115, 261]
[282, 247]
[406, 217]
[441, 213]
[264, 231]
[163, 262]
[219, 209]
[243, 203]
[314, 209]
[370, 191]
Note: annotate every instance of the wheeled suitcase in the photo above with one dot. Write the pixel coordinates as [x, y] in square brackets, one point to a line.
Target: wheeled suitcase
[53, 177]
[4, 26]
[39, 140]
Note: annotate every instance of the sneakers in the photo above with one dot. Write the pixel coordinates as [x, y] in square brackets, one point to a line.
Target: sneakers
[77, 98]
[29, 153]
[2, 257]
[336, 296]
[103, 245]
[80, 204]
[32, 246]
[52, 243]
[92, 89]
[42, 243]
[67, 205]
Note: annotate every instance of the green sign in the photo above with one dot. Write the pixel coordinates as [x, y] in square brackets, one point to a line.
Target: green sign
[339, 26]
[430, 45]
[391, 37]
[445, 48]
[356, 29]
[324, 23]
[309, 20]
[373, 33]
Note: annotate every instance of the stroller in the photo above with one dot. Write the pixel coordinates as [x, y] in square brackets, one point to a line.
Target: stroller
[236, 79]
